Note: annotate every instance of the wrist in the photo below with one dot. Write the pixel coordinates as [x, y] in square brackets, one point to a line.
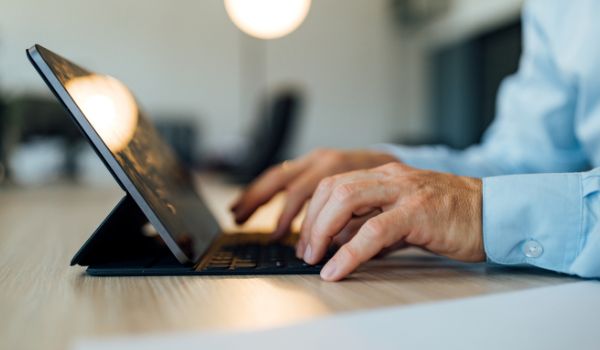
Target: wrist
[476, 214]
[365, 159]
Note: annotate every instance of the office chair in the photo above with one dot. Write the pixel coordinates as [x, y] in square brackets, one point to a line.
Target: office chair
[271, 136]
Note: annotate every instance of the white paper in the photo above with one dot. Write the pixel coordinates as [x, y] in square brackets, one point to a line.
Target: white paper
[558, 317]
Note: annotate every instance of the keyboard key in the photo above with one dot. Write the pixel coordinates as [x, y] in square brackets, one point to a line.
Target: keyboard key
[259, 257]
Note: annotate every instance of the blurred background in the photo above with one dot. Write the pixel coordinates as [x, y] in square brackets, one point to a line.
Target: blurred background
[349, 74]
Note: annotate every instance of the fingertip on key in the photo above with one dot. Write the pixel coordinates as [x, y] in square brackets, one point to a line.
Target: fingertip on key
[308, 254]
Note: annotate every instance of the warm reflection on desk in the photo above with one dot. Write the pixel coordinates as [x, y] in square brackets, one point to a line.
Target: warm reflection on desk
[59, 303]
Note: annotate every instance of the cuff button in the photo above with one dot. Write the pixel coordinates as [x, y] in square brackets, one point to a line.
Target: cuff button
[532, 249]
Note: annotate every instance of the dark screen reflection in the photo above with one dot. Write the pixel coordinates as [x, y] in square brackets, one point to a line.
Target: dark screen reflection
[150, 164]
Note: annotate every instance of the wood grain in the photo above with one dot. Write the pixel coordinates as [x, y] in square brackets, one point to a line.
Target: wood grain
[45, 303]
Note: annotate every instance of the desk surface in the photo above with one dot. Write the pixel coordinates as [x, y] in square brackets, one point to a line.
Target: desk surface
[45, 303]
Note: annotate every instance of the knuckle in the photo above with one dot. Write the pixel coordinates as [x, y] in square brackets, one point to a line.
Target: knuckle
[420, 200]
[414, 206]
[394, 167]
[411, 181]
[326, 184]
[329, 155]
[335, 156]
[343, 193]
[416, 182]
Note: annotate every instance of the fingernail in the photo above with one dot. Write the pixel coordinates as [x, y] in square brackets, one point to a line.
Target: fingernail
[308, 254]
[328, 270]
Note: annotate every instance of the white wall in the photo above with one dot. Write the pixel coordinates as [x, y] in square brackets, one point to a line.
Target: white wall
[352, 69]
[365, 80]
[181, 57]
[184, 56]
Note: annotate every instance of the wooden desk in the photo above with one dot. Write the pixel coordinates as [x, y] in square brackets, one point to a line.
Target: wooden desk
[45, 304]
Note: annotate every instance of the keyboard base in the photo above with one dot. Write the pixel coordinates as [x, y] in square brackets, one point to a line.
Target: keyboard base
[190, 271]
[232, 255]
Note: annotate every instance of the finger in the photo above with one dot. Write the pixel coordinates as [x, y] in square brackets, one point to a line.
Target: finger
[377, 233]
[359, 218]
[347, 232]
[311, 212]
[298, 193]
[266, 186]
[352, 227]
[319, 199]
[339, 209]
[324, 189]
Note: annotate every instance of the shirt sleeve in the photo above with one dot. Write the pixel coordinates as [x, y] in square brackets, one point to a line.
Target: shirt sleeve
[544, 220]
[541, 204]
[534, 128]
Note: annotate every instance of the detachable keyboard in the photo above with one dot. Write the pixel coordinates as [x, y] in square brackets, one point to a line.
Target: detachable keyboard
[233, 254]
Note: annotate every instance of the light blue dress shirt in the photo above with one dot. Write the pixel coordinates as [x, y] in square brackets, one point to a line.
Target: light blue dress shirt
[541, 201]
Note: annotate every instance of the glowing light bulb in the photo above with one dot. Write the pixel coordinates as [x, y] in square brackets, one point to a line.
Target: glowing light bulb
[267, 19]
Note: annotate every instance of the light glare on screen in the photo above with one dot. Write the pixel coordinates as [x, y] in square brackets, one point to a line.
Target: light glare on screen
[108, 106]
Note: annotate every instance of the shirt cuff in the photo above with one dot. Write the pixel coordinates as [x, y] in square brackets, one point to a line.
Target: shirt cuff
[533, 219]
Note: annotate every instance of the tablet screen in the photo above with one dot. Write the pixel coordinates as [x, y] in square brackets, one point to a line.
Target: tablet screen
[146, 166]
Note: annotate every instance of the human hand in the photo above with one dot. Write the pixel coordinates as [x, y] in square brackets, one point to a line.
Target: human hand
[436, 211]
[299, 178]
